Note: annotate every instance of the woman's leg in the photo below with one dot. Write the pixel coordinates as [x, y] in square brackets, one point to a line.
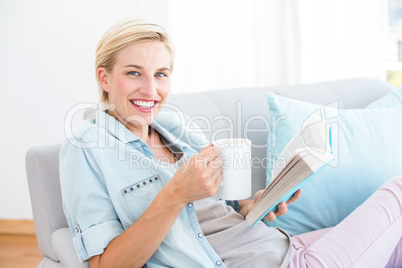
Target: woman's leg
[396, 257]
[307, 239]
[366, 238]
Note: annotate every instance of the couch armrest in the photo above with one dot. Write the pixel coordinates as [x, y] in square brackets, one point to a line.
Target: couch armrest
[49, 263]
[62, 241]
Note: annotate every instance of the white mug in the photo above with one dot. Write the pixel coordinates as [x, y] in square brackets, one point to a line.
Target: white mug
[236, 168]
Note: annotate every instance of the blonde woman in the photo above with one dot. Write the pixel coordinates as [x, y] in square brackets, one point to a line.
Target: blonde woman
[165, 213]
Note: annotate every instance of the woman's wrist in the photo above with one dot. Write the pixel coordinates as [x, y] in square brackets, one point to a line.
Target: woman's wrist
[174, 194]
[244, 204]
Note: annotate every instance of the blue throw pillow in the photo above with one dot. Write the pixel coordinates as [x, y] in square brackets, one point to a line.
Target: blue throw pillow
[367, 148]
[393, 99]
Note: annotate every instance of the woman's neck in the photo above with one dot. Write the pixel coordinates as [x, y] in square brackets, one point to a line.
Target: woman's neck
[147, 134]
[141, 131]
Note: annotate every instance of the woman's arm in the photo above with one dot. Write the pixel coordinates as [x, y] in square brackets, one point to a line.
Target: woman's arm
[198, 178]
[246, 205]
[135, 246]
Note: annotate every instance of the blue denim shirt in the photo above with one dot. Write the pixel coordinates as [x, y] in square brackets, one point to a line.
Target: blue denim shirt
[108, 179]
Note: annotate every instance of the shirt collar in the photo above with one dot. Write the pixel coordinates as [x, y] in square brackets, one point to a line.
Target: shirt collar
[117, 129]
[169, 136]
[114, 127]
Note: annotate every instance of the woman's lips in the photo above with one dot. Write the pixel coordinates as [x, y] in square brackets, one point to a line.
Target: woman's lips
[144, 105]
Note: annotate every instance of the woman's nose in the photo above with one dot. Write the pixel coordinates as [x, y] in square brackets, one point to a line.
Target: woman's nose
[148, 87]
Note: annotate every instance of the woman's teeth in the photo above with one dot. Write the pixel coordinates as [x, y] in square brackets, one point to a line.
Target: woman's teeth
[143, 104]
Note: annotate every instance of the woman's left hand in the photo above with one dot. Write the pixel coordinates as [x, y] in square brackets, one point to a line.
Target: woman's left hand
[271, 216]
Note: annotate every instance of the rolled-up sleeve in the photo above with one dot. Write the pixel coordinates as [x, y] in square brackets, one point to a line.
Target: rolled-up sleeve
[89, 211]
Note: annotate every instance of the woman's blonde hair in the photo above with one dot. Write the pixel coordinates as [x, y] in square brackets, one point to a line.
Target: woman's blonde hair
[121, 35]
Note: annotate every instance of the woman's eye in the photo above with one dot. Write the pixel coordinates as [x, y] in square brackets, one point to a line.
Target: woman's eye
[133, 73]
[160, 74]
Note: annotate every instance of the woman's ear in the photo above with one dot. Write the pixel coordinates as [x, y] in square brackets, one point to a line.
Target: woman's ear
[102, 76]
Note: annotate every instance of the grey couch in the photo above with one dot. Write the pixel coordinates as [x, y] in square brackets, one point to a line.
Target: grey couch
[54, 237]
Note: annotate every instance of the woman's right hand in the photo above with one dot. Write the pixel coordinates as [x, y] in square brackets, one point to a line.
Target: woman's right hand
[200, 176]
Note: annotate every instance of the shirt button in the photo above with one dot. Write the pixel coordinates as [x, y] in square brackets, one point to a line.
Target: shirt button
[77, 230]
[190, 205]
[200, 235]
[219, 263]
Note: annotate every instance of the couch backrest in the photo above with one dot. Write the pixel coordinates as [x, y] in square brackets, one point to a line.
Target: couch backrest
[248, 110]
[244, 107]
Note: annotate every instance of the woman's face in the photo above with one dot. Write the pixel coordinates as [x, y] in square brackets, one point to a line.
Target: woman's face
[138, 84]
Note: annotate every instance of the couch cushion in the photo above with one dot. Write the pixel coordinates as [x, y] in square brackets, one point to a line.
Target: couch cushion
[393, 99]
[367, 149]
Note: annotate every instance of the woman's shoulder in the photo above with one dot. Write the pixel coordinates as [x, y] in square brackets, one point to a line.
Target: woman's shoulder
[87, 131]
[84, 140]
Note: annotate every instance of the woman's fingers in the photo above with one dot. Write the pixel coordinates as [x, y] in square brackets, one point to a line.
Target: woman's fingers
[295, 196]
[218, 182]
[270, 216]
[215, 163]
[283, 207]
[206, 155]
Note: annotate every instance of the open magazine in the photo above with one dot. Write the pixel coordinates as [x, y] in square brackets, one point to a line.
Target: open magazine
[309, 151]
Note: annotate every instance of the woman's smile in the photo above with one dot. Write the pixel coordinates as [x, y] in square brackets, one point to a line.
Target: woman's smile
[144, 106]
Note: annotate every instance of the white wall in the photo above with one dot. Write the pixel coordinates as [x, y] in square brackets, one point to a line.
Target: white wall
[47, 52]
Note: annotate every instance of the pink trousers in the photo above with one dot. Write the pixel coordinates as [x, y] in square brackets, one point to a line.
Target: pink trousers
[369, 237]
